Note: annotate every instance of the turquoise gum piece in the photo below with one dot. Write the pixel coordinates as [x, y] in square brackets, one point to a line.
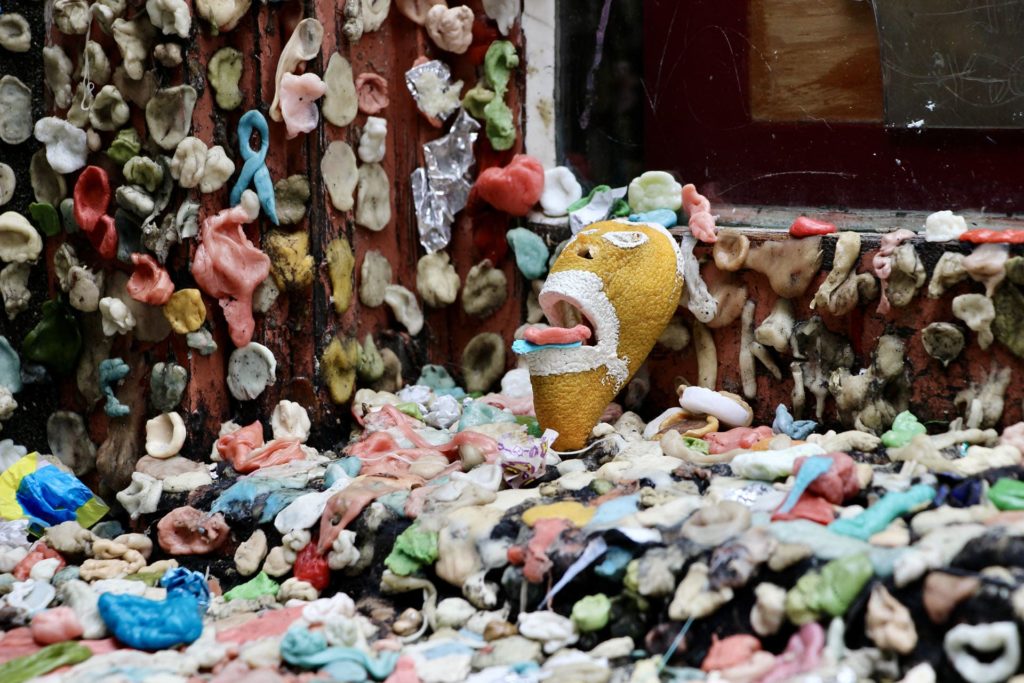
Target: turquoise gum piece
[878, 516]
[664, 217]
[254, 170]
[521, 346]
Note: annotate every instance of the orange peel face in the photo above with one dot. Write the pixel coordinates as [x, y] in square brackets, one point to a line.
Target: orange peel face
[623, 280]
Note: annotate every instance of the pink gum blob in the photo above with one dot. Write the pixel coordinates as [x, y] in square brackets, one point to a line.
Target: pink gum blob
[188, 531]
[276, 452]
[150, 283]
[729, 652]
[556, 335]
[372, 93]
[405, 671]
[55, 625]
[881, 262]
[738, 437]
[698, 208]
[298, 102]
[229, 267]
[37, 553]
[802, 653]
[839, 483]
[238, 444]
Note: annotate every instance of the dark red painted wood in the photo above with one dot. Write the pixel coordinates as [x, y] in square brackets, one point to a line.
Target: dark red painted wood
[698, 124]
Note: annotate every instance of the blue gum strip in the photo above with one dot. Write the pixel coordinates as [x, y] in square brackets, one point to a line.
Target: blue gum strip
[522, 347]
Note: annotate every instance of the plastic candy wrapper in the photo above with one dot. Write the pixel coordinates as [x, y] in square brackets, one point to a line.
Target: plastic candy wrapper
[598, 208]
[523, 458]
[441, 187]
[14, 533]
[180, 579]
[46, 495]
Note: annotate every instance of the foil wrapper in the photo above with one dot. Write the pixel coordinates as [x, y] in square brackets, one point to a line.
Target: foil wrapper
[430, 84]
[440, 188]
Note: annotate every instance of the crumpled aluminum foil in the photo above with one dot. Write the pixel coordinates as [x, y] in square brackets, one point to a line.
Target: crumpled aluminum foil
[432, 82]
[440, 188]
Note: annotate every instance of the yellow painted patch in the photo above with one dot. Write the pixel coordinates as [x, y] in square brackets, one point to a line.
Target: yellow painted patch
[576, 513]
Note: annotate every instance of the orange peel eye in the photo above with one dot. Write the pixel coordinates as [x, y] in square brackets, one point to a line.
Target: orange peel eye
[586, 250]
[630, 239]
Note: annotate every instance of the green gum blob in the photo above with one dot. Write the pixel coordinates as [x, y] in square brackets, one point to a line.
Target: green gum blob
[371, 363]
[410, 409]
[592, 612]
[45, 217]
[631, 581]
[476, 99]
[148, 578]
[254, 588]
[1008, 301]
[877, 517]
[829, 591]
[696, 444]
[620, 209]
[499, 126]
[67, 215]
[476, 413]
[436, 377]
[413, 548]
[56, 340]
[532, 425]
[1007, 494]
[44, 661]
[223, 72]
[145, 172]
[904, 428]
[585, 199]
[126, 145]
[167, 386]
[499, 61]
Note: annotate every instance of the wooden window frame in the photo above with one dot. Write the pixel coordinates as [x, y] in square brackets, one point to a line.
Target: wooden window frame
[858, 175]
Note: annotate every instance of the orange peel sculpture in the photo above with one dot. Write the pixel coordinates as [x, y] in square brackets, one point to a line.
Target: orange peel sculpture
[623, 281]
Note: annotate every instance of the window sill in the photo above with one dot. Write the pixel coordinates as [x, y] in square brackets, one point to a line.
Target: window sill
[777, 219]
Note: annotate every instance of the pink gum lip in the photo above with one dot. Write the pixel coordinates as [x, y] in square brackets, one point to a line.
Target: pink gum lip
[556, 335]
